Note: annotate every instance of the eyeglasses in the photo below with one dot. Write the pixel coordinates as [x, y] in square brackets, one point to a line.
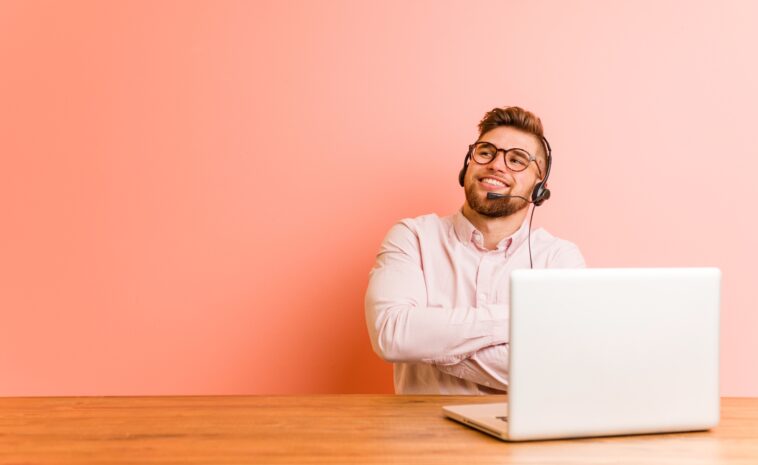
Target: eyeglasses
[515, 159]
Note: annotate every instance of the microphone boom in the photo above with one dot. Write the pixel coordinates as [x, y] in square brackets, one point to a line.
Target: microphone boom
[495, 195]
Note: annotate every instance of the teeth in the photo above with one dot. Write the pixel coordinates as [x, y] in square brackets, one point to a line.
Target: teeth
[493, 182]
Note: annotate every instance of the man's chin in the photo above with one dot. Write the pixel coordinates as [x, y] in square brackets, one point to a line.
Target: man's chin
[494, 212]
[497, 208]
[493, 208]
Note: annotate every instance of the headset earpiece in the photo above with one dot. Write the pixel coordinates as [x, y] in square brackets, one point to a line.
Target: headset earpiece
[540, 193]
[462, 174]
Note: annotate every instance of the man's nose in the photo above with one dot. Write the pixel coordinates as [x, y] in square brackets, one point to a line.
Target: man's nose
[498, 163]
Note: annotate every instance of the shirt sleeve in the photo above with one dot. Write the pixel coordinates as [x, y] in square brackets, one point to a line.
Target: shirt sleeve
[403, 328]
[489, 366]
[486, 367]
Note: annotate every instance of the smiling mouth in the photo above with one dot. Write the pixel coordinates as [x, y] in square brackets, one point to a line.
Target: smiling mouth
[493, 183]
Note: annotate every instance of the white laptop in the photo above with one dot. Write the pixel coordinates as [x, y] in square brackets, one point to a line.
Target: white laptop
[603, 352]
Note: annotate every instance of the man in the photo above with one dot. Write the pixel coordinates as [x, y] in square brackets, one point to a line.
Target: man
[437, 299]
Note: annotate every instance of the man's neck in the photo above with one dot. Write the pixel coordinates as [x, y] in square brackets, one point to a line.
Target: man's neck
[494, 230]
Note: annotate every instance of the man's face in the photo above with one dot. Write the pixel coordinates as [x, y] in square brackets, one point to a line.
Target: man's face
[481, 179]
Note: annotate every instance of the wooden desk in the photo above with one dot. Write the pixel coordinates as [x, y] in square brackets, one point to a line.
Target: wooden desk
[347, 429]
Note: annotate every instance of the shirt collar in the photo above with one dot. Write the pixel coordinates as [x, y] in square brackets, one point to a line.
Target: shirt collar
[468, 234]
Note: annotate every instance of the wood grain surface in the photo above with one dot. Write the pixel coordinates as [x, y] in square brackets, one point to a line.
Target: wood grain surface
[333, 429]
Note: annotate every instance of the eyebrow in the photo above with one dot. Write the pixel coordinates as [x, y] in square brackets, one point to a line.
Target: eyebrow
[510, 148]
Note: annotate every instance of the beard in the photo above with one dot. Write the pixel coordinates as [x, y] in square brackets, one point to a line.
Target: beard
[494, 208]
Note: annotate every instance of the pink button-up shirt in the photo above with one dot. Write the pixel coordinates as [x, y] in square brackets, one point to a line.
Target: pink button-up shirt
[437, 302]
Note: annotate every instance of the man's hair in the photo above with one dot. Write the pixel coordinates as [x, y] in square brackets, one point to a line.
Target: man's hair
[515, 117]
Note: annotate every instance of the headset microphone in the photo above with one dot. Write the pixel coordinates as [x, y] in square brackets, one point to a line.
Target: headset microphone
[541, 194]
[495, 195]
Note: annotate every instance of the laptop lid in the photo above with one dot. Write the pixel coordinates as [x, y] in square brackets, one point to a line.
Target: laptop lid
[613, 351]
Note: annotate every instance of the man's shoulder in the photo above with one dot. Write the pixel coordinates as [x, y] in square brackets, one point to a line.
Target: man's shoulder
[420, 228]
[558, 249]
[547, 239]
[427, 224]
[408, 234]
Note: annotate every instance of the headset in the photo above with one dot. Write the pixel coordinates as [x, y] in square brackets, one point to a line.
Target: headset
[540, 193]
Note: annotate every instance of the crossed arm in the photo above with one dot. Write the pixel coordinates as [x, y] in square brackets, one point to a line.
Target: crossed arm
[404, 329]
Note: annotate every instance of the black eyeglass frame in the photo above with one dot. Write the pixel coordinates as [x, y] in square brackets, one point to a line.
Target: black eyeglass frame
[530, 157]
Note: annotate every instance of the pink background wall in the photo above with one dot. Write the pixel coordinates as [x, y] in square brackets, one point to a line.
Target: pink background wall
[192, 193]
